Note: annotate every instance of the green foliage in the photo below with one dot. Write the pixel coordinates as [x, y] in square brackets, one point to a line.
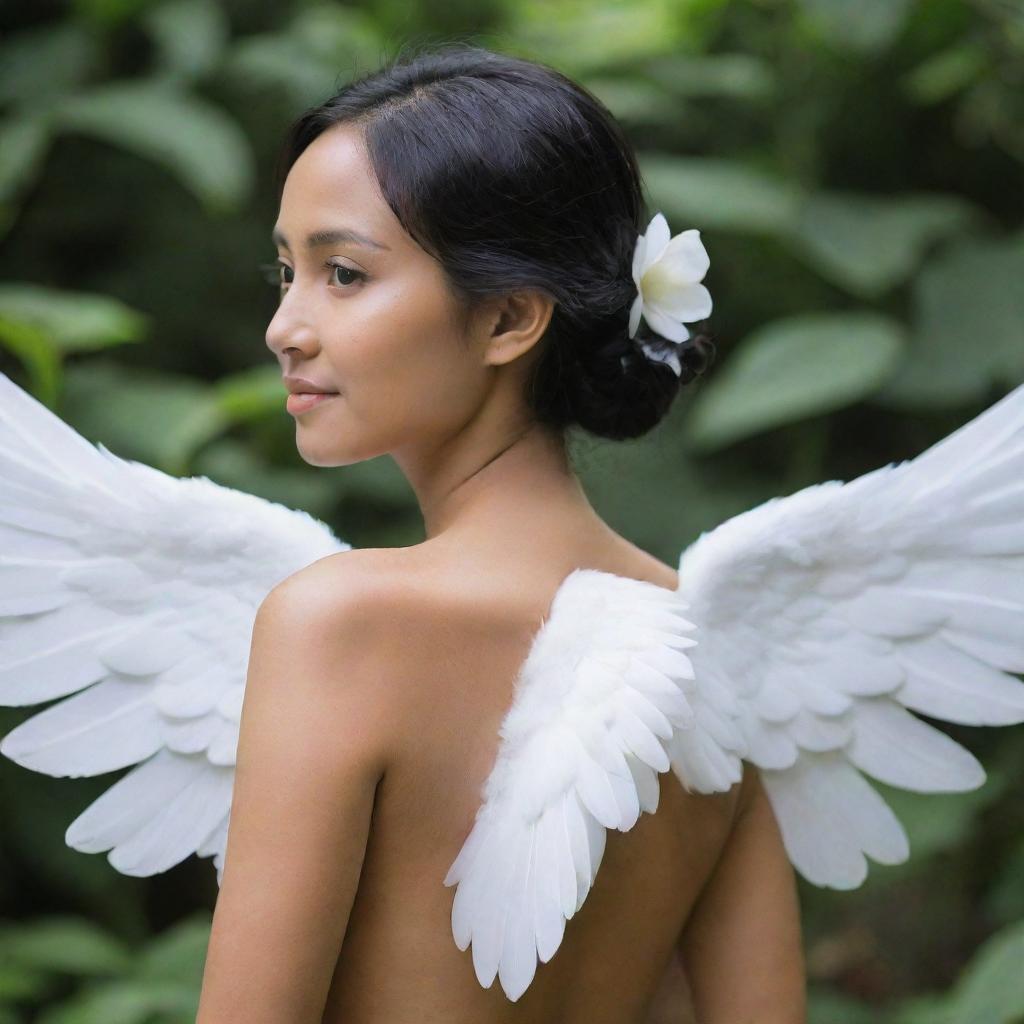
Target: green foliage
[100, 979]
[806, 364]
[854, 169]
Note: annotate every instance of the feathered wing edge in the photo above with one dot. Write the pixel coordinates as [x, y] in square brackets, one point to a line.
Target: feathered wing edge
[131, 594]
[600, 693]
[835, 613]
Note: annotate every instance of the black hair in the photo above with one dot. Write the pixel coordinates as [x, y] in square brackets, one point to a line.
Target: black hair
[515, 177]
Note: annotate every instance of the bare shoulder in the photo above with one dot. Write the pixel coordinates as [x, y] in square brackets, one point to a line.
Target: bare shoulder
[361, 587]
[362, 624]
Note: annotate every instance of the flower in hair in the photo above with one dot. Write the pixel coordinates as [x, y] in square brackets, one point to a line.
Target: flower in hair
[667, 271]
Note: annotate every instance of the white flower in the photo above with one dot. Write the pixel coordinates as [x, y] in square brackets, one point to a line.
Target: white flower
[666, 272]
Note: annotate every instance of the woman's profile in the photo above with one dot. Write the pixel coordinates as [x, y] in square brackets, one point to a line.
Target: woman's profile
[517, 771]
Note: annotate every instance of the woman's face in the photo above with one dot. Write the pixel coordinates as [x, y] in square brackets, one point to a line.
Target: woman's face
[371, 319]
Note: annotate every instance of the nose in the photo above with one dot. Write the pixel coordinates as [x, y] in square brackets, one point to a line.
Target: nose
[289, 334]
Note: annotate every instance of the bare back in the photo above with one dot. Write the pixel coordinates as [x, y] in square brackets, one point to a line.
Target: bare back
[399, 962]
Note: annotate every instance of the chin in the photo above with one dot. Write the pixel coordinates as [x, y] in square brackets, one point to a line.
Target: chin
[326, 455]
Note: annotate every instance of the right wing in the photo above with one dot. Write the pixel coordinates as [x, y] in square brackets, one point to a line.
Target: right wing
[826, 618]
[132, 594]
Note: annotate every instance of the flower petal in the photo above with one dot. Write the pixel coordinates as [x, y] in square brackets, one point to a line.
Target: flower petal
[664, 325]
[655, 239]
[687, 252]
[638, 259]
[634, 315]
[688, 303]
[665, 279]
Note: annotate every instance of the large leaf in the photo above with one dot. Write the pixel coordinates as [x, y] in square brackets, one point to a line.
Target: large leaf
[198, 143]
[23, 144]
[866, 25]
[190, 37]
[794, 368]
[252, 393]
[127, 1002]
[153, 417]
[66, 945]
[714, 193]
[46, 62]
[588, 36]
[39, 325]
[968, 331]
[992, 986]
[867, 244]
[742, 76]
[304, 59]
[73, 321]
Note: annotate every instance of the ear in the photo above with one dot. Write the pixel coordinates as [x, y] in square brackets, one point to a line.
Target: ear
[513, 323]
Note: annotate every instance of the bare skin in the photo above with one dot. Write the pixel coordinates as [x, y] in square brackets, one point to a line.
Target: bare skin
[399, 961]
[506, 520]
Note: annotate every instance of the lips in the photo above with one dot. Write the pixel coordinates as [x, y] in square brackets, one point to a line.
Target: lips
[301, 386]
[300, 402]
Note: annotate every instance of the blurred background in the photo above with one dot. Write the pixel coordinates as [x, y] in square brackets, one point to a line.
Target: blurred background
[857, 174]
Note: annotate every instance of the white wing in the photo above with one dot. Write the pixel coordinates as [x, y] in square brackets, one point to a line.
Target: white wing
[136, 592]
[603, 685]
[834, 613]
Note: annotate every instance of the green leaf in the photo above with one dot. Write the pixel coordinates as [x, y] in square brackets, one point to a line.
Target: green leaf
[252, 393]
[587, 36]
[823, 1005]
[868, 244]
[40, 64]
[991, 989]
[635, 100]
[738, 76]
[931, 1008]
[37, 352]
[1004, 899]
[198, 143]
[127, 1002]
[947, 73]
[20, 983]
[23, 144]
[712, 193]
[274, 61]
[794, 368]
[232, 464]
[153, 417]
[190, 37]
[72, 321]
[304, 59]
[179, 952]
[866, 25]
[68, 945]
[968, 329]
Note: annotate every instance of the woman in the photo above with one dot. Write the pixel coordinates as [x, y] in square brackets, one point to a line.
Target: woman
[455, 241]
[496, 709]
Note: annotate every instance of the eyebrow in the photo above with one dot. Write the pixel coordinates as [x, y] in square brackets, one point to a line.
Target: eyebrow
[330, 236]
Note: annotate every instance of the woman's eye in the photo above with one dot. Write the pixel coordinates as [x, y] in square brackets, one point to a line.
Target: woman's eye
[355, 275]
[275, 274]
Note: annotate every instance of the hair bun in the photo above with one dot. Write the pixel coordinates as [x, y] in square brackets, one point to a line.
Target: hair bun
[619, 392]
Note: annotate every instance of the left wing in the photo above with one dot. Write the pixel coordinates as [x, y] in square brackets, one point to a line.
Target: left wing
[604, 683]
[131, 594]
[833, 614]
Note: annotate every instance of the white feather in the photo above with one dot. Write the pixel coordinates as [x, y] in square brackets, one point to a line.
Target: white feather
[854, 605]
[132, 595]
[824, 620]
[581, 746]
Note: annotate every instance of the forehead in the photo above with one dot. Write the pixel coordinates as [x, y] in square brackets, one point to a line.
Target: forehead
[332, 182]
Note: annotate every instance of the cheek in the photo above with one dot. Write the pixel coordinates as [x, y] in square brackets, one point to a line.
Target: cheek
[406, 360]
